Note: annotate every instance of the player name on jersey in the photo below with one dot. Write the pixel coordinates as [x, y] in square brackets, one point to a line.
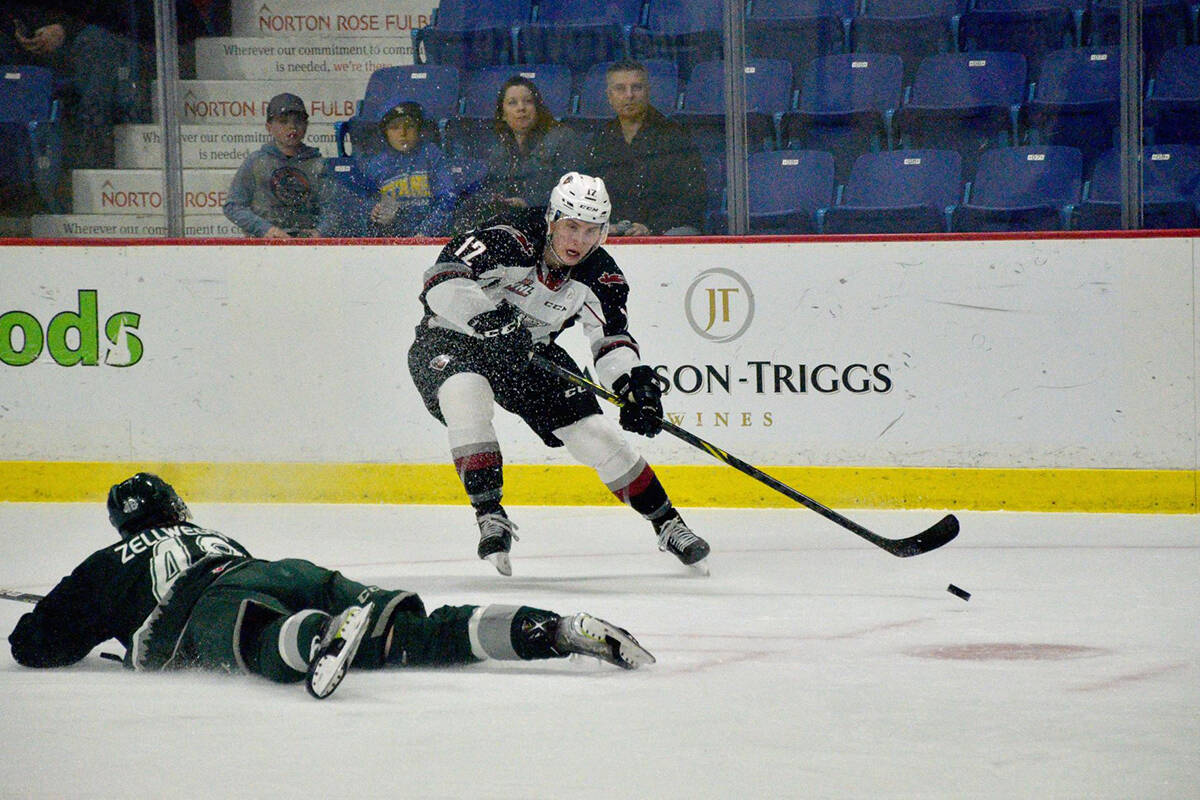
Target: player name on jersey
[340, 17]
[207, 146]
[140, 191]
[297, 59]
[120, 226]
[246, 101]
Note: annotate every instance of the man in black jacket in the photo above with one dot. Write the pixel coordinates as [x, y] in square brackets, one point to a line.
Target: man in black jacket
[652, 168]
[177, 596]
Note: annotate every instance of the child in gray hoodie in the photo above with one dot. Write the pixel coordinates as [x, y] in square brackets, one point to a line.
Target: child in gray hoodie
[276, 193]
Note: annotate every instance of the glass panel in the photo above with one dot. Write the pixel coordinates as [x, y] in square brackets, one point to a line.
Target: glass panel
[861, 116]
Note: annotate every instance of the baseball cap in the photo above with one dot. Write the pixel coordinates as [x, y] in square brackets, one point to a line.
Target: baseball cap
[406, 109]
[286, 103]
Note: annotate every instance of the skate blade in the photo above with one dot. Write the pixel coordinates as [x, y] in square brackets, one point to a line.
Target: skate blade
[699, 569]
[501, 562]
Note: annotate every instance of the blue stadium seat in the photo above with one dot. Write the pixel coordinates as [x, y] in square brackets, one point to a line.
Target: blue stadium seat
[350, 196]
[798, 30]
[768, 96]
[31, 158]
[469, 34]
[471, 132]
[1165, 24]
[1022, 189]
[1032, 28]
[684, 31]
[786, 190]
[593, 108]
[846, 105]
[1170, 179]
[1173, 99]
[434, 86]
[963, 101]
[912, 29]
[578, 33]
[899, 191]
[1076, 101]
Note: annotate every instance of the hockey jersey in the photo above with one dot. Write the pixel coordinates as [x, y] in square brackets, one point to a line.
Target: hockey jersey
[501, 261]
[116, 590]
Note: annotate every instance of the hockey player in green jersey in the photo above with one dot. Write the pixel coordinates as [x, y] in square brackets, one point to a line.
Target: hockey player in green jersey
[177, 595]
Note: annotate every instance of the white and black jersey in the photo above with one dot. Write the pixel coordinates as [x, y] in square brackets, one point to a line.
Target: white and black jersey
[112, 593]
[501, 261]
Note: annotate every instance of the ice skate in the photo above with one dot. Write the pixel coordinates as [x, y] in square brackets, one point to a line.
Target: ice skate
[591, 636]
[675, 537]
[495, 539]
[335, 650]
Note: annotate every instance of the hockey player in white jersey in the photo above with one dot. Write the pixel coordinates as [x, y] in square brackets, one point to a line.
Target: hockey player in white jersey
[514, 283]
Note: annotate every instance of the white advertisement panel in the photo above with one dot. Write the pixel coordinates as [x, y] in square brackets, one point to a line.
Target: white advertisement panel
[1051, 353]
[343, 18]
[297, 59]
[207, 146]
[330, 99]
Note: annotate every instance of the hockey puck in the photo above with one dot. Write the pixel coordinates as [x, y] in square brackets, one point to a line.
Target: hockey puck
[957, 592]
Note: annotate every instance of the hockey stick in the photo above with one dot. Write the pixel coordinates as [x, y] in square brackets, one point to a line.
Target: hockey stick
[26, 597]
[931, 538]
[20, 597]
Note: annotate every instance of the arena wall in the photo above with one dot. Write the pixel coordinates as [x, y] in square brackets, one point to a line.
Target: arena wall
[1049, 373]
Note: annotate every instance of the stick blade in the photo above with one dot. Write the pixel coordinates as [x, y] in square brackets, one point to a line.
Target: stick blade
[931, 538]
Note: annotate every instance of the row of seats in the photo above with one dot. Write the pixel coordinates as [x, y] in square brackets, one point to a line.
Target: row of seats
[578, 33]
[923, 191]
[30, 129]
[848, 104]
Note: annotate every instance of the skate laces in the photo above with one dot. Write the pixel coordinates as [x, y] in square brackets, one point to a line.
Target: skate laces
[496, 524]
[676, 535]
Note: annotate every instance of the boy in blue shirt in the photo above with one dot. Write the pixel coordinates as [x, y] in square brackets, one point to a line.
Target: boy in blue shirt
[415, 189]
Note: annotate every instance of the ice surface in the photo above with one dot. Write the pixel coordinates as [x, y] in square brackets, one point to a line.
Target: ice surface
[809, 665]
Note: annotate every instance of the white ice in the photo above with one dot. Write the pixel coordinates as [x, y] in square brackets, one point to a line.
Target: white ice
[809, 665]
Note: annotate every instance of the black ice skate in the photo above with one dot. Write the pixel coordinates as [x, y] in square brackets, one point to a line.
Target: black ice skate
[495, 539]
[675, 537]
[591, 636]
[335, 650]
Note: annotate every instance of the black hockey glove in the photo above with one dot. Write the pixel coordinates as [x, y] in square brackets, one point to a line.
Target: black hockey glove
[503, 334]
[641, 390]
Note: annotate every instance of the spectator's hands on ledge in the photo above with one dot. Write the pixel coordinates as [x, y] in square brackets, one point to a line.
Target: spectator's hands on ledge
[515, 202]
[276, 233]
[385, 210]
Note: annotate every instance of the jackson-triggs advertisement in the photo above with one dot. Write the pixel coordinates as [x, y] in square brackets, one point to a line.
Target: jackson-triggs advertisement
[957, 354]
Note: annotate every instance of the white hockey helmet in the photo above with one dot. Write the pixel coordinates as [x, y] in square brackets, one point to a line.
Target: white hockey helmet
[582, 197]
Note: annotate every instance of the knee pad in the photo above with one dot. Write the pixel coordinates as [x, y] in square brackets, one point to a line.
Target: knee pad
[467, 404]
[597, 442]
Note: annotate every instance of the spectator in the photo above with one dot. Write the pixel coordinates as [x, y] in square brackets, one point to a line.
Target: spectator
[411, 178]
[531, 151]
[85, 59]
[651, 166]
[276, 192]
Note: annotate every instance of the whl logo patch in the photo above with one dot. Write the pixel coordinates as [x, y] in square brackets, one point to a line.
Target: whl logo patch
[71, 337]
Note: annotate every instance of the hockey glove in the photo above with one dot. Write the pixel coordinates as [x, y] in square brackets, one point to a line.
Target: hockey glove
[641, 391]
[503, 334]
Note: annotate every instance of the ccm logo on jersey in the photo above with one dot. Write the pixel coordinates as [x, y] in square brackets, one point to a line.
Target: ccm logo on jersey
[611, 277]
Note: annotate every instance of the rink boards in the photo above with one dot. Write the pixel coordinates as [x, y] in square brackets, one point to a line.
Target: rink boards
[1057, 373]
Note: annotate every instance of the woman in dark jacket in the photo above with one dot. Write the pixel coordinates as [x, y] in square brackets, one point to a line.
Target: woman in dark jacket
[532, 151]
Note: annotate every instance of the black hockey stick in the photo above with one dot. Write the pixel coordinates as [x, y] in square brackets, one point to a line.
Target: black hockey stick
[931, 538]
[20, 597]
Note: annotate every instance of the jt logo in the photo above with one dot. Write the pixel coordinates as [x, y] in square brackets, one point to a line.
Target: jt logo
[719, 305]
[716, 314]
